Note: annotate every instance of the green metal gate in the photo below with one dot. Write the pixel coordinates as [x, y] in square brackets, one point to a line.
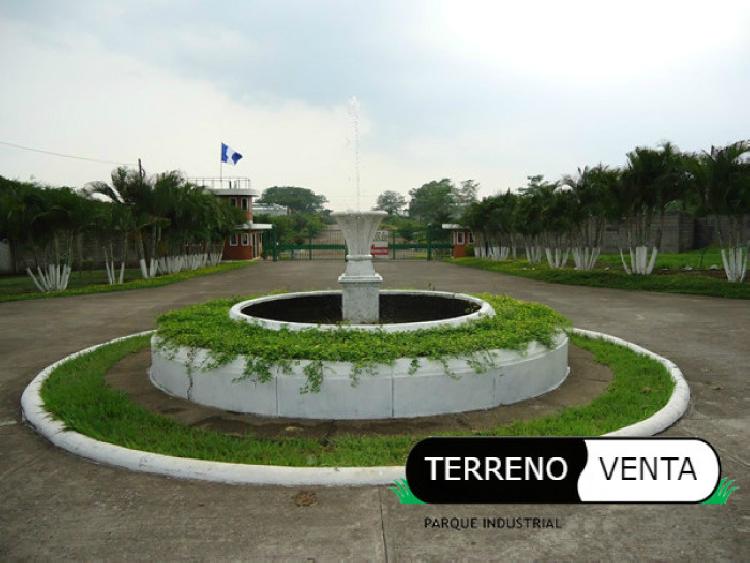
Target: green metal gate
[428, 250]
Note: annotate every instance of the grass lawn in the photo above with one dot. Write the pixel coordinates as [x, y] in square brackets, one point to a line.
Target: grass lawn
[696, 259]
[20, 288]
[77, 394]
[672, 281]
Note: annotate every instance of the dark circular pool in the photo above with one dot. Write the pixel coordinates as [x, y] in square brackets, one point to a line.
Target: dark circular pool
[325, 308]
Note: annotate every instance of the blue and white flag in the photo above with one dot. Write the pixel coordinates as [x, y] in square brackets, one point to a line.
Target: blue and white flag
[229, 155]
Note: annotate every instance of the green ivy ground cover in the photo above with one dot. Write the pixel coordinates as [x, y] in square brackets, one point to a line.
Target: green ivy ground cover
[208, 326]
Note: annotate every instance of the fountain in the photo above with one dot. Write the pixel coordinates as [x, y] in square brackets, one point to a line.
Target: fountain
[408, 387]
[360, 283]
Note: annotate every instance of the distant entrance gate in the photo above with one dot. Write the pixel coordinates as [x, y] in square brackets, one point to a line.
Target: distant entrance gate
[380, 250]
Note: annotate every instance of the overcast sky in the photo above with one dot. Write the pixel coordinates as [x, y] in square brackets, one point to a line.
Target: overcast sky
[493, 91]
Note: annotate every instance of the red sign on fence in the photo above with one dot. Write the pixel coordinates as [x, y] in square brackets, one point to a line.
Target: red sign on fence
[379, 248]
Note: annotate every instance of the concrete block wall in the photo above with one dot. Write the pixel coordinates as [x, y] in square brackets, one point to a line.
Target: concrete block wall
[678, 234]
[6, 264]
[706, 230]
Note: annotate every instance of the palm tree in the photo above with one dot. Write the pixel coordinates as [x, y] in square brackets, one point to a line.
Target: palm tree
[51, 219]
[133, 189]
[195, 223]
[500, 222]
[15, 220]
[721, 178]
[529, 219]
[113, 230]
[592, 189]
[651, 180]
[476, 218]
[545, 216]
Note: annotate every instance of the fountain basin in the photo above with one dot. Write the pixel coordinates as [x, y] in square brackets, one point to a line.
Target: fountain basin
[401, 311]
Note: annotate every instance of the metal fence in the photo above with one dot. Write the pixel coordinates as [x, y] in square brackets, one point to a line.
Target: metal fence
[381, 250]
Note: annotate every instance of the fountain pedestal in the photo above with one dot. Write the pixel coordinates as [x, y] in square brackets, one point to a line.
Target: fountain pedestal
[360, 283]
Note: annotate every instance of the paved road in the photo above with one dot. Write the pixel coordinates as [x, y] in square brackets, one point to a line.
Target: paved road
[54, 505]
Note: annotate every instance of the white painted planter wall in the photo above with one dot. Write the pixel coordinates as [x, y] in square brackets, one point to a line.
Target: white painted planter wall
[389, 392]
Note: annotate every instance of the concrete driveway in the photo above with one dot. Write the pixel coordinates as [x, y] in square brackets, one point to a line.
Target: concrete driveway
[56, 506]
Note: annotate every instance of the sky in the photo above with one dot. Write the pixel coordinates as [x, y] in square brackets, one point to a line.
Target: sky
[486, 90]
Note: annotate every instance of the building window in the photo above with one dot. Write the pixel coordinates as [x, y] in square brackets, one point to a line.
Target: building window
[233, 239]
[460, 238]
[245, 239]
[243, 201]
[471, 237]
[233, 201]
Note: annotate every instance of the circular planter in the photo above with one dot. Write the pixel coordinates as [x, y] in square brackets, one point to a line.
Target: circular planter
[395, 390]
[36, 415]
[288, 311]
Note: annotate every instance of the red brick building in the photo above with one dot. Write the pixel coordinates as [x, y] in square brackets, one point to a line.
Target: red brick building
[247, 241]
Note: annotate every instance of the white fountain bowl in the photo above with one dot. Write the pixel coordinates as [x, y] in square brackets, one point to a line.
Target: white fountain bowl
[485, 310]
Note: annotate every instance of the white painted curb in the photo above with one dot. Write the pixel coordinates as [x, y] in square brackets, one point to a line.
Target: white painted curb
[37, 416]
[669, 413]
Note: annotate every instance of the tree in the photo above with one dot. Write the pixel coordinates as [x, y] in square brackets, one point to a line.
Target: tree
[133, 189]
[721, 178]
[297, 228]
[651, 180]
[391, 202]
[592, 189]
[405, 228]
[46, 221]
[298, 200]
[466, 193]
[492, 222]
[113, 225]
[14, 218]
[435, 202]
[176, 225]
[529, 215]
[549, 209]
[196, 223]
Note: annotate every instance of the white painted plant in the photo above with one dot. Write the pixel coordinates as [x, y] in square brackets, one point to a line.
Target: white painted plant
[115, 275]
[650, 182]
[591, 188]
[500, 252]
[52, 261]
[214, 257]
[556, 257]
[51, 277]
[491, 247]
[533, 253]
[640, 261]
[547, 221]
[148, 270]
[584, 257]
[735, 263]
[722, 179]
[187, 262]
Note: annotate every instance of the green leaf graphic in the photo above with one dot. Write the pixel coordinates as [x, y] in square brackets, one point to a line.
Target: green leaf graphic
[722, 493]
[401, 489]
